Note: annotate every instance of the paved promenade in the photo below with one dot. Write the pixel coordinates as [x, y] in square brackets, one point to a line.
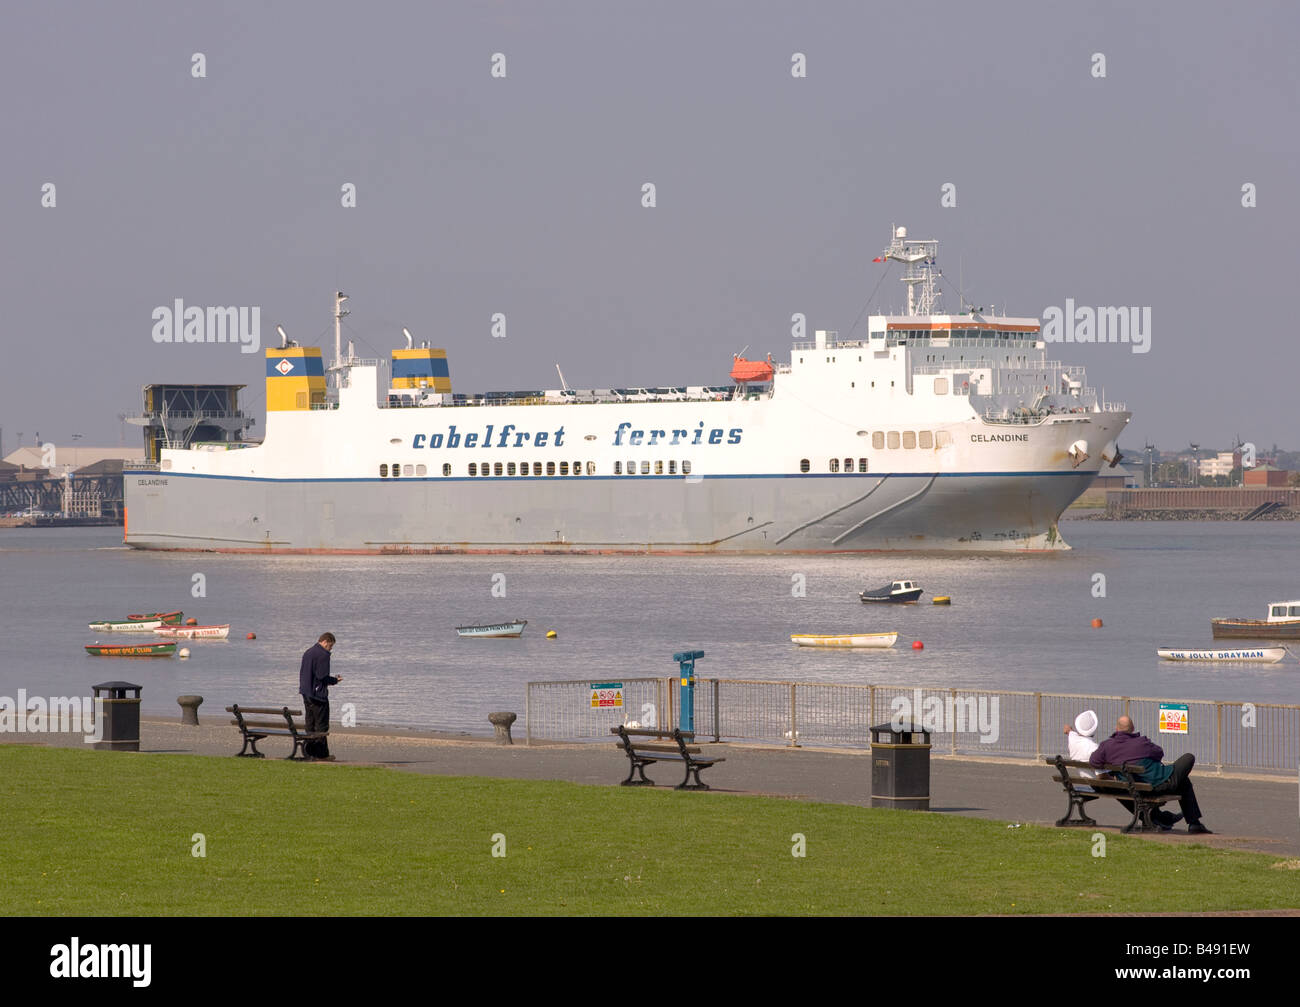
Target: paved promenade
[1247, 814]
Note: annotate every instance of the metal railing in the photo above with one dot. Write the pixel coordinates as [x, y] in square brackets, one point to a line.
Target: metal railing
[965, 722]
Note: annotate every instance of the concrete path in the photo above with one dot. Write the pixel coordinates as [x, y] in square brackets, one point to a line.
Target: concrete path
[1245, 813]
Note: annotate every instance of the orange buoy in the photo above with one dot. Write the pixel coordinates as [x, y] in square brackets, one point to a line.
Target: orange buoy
[191, 621]
[1096, 624]
[251, 636]
[918, 645]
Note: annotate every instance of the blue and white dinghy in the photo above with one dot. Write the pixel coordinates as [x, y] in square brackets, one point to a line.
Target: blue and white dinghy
[1257, 655]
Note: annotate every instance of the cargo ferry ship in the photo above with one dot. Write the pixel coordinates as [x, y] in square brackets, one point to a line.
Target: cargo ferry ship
[932, 432]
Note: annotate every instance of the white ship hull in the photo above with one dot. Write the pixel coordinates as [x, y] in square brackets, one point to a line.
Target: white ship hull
[935, 432]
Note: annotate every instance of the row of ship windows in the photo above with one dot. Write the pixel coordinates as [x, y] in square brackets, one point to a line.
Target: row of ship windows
[660, 467]
[880, 440]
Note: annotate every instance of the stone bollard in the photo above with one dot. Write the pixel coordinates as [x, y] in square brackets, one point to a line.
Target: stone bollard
[501, 722]
[190, 709]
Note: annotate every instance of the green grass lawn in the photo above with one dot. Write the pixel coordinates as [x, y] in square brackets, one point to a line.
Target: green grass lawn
[100, 833]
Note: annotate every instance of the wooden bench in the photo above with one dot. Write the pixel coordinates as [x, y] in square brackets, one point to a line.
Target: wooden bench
[1121, 784]
[642, 754]
[255, 730]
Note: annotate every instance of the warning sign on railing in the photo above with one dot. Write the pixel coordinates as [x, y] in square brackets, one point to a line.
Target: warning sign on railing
[1173, 718]
[606, 695]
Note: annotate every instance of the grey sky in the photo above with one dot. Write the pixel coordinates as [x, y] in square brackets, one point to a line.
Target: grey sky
[477, 195]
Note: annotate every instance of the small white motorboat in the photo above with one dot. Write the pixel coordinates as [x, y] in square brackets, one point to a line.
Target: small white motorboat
[878, 641]
[895, 592]
[1257, 655]
[493, 631]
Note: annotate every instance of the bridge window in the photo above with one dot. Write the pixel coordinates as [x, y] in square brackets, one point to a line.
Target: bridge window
[564, 468]
[803, 465]
[892, 439]
[537, 468]
[397, 470]
[909, 439]
[497, 469]
[878, 439]
[645, 468]
[618, 468]
[925, 439]
[510, 468]
[848, 464]
[659, 467]
[473, 469]
[835, 464]
[550, 468]
[591, 468]
[686, 468]
[383, 471]
[446, 469]
[672, 467]
[862, 465]
[1279, 611]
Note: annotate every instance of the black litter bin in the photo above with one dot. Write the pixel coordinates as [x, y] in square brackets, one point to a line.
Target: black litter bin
[121, 715]
[900, 767]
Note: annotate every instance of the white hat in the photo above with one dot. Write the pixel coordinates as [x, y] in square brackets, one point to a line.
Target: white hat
[1086, 723]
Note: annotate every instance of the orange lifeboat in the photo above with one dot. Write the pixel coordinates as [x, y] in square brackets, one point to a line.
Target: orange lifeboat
[743, 370]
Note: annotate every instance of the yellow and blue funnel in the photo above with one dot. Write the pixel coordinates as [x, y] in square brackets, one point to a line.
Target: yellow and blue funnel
[295, 378]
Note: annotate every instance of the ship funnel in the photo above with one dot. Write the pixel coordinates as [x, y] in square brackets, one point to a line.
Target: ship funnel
[284, 336]
[407, 333]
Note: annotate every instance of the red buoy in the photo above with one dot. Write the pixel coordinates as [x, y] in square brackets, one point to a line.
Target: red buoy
[1096, 624]
[251, 636]
[918, 645]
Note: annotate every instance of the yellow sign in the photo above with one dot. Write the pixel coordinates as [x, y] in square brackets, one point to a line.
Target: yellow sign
[607, 695]
[1173, 719]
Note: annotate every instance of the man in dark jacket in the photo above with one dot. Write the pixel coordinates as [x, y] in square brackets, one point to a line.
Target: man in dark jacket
[314, 680]
[1126, 745]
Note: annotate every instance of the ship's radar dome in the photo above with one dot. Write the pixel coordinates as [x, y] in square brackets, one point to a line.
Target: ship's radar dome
[900, 232]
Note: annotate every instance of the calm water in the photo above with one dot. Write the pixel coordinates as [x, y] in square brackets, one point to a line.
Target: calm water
[1016, 622]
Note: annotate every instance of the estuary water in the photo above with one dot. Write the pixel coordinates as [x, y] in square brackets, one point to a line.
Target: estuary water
[1016, 621]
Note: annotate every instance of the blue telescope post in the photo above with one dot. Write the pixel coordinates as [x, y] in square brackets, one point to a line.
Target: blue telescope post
[686, 659]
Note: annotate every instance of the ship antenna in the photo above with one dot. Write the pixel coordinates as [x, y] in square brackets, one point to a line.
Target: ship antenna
[339, 315]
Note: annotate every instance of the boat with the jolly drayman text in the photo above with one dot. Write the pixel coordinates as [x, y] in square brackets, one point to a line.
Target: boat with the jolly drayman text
[493, 630]
[1281, 623]
[1260, 655]
[925, 430]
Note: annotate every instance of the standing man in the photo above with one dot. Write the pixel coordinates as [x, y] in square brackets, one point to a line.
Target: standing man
[314, 680]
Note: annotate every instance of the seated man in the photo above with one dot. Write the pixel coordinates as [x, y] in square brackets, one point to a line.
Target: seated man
[1081, 745]
[1126, 745]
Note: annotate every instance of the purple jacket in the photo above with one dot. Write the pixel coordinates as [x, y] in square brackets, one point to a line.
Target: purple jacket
[1120, 748]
